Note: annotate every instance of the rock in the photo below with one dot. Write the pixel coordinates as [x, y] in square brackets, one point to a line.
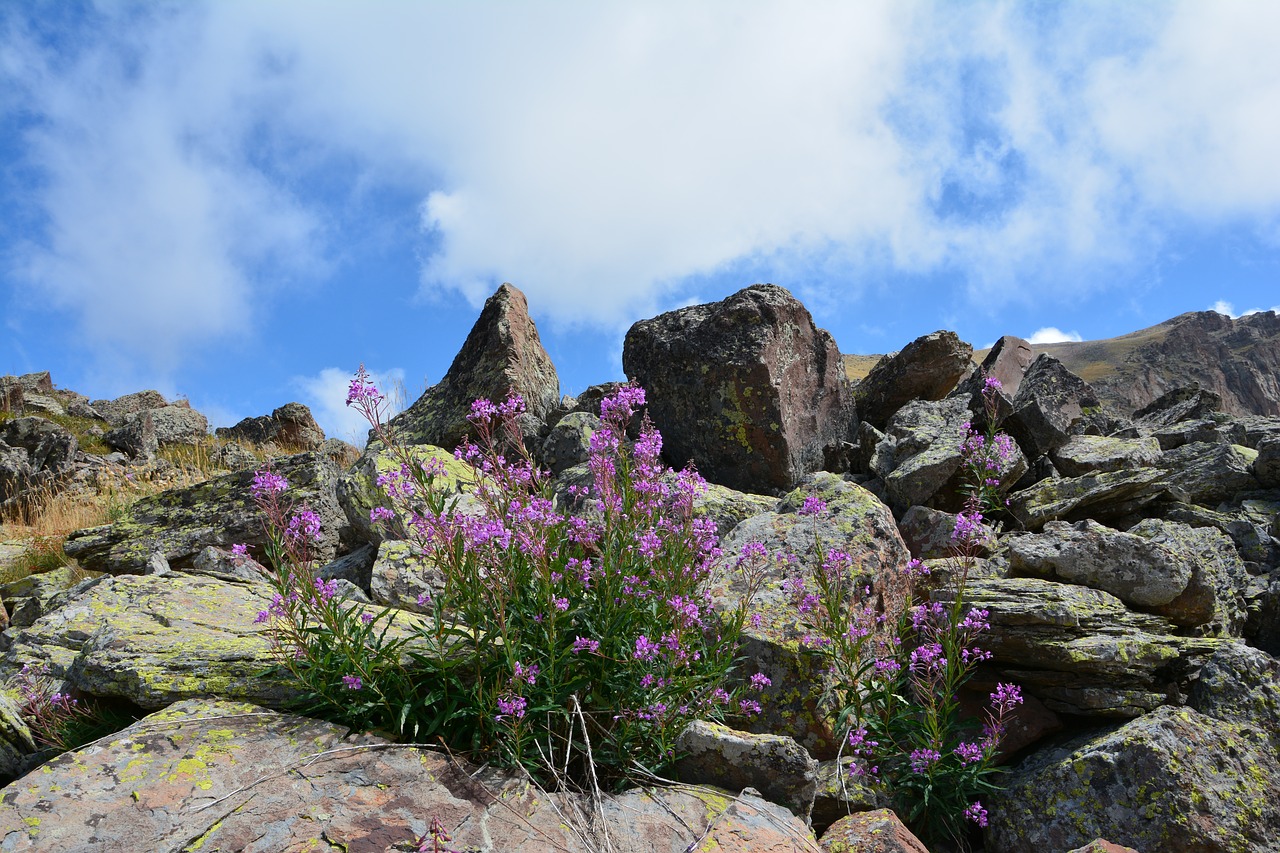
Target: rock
[1135, 569]
[355, 568]
[43, 404]
[569, 442]
[1110, 497]
[1101, 845]
[290, 427]
[28, 598]
[1208, 474]
[1258, 428]
[135, 437]
[856, 523]
[1050, 404]
[115, 411]
[1240, 684]
[179, 523]
[927, 534]
[400, 577]
[231, 776]
[1007, 363]
[1266, 467]
[37, 457]
[1078, 650]
[1188, 403]
[1213, 601]
[749, 388]
[502, 354]
[1247, 531]
[156, 639]
[1092, 454]
[928, 368]
[1170, 781]
[878, 831]
[11, 395]
[234, 457]
[776, 766]
[221, 563]
[729, 508]
[358, 491]
[175, 424]
[1262, 627]
[1216, 431]
[839, 794]
[16, 743]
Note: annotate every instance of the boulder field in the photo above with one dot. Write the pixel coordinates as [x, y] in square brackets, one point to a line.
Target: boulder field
[1132, 589]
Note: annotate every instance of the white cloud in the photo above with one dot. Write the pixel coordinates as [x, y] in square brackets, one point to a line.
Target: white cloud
[1224, 307]
[598, 155]
[325, 394]
[1051, 335]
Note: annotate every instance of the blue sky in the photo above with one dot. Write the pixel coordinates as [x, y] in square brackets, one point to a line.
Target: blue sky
[241, 202]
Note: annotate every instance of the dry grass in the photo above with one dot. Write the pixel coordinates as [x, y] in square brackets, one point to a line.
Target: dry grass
[856, 367]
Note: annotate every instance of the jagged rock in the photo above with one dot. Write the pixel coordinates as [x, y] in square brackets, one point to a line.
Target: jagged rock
[290, 427]
[16, 743]
[1266, 467]
[221, 563]
[1078, 650]
[234, 457]
[589, 400]
[115, 411]
[1263, 624]
[569, 442]
[1209, 474]
[400, 577]
[28, 598]
[1214, 598]
[358, 491]
[1189, 403]
[1135, 569]
[1049, 406]
[928, 368]
[356, 568]
[839, 794]
[749, 388]
[1249, 534]
[35, 454]
[1258, 428]
[1007, 363]
[864, 458]
[176, 424]
[878, 831]
[1171, 781]
[180, 522]
[136, 436]
[232, 776]
[776, 766]
[1223, 430]
[1094, 454]
[920, 458]
[928, 534]
[1240, 684]
[501, 354]
[856, 523]
[1109, 497]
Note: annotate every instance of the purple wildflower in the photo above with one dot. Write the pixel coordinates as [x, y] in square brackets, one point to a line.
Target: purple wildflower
[352, 682]
[268, 482]
[977, 814]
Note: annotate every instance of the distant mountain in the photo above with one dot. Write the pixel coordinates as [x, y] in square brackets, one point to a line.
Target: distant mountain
[1237, 359]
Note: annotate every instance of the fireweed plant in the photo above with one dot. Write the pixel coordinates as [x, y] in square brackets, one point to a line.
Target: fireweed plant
[577, 645]
[59, 721]
[898, 662]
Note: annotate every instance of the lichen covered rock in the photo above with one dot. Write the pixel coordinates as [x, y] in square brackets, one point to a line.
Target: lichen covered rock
[776, 766]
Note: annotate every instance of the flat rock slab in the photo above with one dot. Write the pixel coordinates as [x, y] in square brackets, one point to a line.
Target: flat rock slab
[228, 776]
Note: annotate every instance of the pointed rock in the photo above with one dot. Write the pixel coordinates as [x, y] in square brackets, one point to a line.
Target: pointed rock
[502, 354]
[926, 369]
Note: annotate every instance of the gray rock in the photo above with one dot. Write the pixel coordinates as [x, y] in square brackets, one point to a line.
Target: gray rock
[1093, 454]
[290, 427]
[115, 411]
[221, 563]
[503, 353]
[928, 368]
[176, 424]
[359, 493]
[1247, 531]
[1220, 430]
[1266, 467]
[179, 523]
[136, 436]
[569, 442]
[1209, 474]
[234, 457]
[29, 597]
[839, 794]
[1263, 625]
[1241, 685]
[356, 567]
[1110, 497]
[1135, 569]
[1213, 601]
[856, 523]
[1189, 403]
[928, 534]
[749, 388]
[1049, 407]
[778, 767]
[16, 743]
[35, 455]
[232, 776]
[1173, 780]
[400, 575]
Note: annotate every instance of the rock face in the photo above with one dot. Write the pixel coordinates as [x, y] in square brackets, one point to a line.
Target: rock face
[748, 388]
[503, 353]
[229, 776]
[115, 411]
[1238, 360]
[34, 453]
[926, 369]
[180, 523]
[291, 426]
[1050, 403]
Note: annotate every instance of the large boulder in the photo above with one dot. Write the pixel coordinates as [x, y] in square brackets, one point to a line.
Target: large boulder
[749, 389]
[1171, 781]
[855, 522]
[223, 776]
[1209, 474]
[289, 427]
[180, 523]
[1266, 467]
[776, 766]
[878, 831]
[115, 411]
[34, 453]
[359, 493]
[502, 354]
[1188, 403]
[1050, 406]
[928, 368]
[1213, 601]
[1096, 454]
[1007, 363]
[1114, 496]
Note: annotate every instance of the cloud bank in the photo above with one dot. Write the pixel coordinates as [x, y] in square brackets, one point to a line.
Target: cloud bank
[188, 162]
[1051, 335]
